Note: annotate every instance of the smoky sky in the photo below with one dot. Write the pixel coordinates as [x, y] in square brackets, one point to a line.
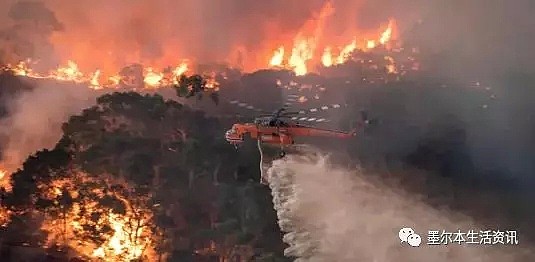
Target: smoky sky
[485, 37]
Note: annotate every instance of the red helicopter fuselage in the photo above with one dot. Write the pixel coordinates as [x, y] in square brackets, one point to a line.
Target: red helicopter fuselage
[281, 135]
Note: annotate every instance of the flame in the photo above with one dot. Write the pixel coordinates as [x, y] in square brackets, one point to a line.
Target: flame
[278, 57]
[21, 69]
[126, 235]
[370, 44]
[121, 240]
[301, 53]
[69, 73]
[152, 78]
[180, 70]
[326, 58]
[5, 179]
[387, 34]
[93, 82]
[114, 80]
[391, 66]
[346, 52]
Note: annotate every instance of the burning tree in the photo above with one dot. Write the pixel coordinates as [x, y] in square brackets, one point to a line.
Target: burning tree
[82, 214]
[136, 178]
[196, 85]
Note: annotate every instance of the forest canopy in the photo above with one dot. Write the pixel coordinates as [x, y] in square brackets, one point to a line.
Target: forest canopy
[138, 177]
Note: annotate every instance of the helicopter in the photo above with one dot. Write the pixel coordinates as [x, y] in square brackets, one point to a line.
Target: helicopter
[282, 126]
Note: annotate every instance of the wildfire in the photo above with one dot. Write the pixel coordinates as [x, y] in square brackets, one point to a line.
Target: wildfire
[391, 66]
[3, 173]
[152, 79]
[115, 231]
[4, 182]
[70, 72]
[346, 52]
[304, 48]
[120, 243]
[326, 58]
[4, 179]
[387, 34]
[302, 51]
[278, 57]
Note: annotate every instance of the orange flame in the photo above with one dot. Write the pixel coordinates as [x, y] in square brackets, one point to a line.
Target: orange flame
[326, 58]
[301, 53]
[71, 73]
[278, 57]
[387, 34]
[304, 46]
[346, 52]
[128, 237]
[152, 79]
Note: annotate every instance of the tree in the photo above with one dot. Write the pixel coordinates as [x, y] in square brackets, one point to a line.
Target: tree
[195, 85]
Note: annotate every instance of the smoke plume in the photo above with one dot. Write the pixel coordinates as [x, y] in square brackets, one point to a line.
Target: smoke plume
[335, 214]
[35, 117]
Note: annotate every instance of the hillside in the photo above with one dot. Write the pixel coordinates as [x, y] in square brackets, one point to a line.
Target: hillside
[139, 177]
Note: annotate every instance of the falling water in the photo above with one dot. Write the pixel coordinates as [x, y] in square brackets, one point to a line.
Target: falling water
[332, 214]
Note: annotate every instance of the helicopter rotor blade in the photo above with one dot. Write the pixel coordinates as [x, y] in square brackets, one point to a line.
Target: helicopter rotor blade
[247, 106]
[290, 100]
[310, 119]
[314, 110]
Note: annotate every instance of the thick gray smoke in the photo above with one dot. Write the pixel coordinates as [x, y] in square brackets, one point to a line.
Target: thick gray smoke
[335, 214]
[35, 119]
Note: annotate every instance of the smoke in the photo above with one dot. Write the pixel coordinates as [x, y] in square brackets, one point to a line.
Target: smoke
[108, 35]
[31, 26]
[335, 214]
[464, 38]
[35, 117]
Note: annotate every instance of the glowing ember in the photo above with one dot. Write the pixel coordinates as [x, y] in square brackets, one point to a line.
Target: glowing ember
[391, 66]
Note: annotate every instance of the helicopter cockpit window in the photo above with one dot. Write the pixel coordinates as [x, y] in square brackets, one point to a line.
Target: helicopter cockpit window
[232, 131]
